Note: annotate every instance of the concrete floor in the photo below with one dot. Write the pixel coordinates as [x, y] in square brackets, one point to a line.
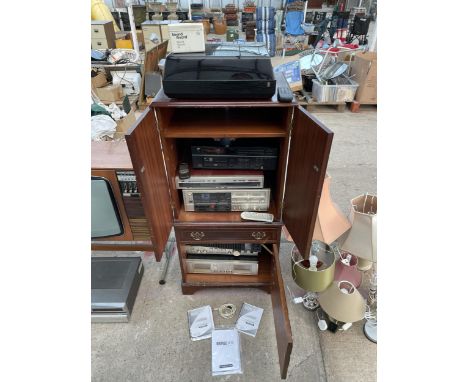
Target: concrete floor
[155, 346]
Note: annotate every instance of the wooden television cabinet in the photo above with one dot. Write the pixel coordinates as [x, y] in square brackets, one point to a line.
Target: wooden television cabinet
[108, 158]
[161, 138]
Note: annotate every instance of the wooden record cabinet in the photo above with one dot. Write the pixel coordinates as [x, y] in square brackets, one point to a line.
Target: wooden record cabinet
[161, 139]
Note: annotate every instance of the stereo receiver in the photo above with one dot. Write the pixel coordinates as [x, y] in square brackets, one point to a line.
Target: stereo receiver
[246, 249]
[236, 267]
[221, 179]
[253, 158]
[227, 200]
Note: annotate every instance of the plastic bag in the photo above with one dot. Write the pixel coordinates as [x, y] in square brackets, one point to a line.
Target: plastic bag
[249, 319]
[201, 323]
[102, 125]
[225, 352]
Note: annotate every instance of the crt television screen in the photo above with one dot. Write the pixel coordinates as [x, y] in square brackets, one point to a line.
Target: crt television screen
[105, 218]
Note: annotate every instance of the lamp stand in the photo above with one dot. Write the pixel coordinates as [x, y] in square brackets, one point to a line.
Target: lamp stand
[370, 327]
[309, 300]
[370, 331]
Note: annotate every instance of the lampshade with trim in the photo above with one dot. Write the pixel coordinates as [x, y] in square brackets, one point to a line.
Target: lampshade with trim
[343, 302]
[346, 269]
[308, 278]
[362, 238]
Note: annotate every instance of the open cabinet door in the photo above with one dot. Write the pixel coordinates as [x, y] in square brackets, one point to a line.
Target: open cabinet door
[145, 150]
[280, 315]
[307, 164]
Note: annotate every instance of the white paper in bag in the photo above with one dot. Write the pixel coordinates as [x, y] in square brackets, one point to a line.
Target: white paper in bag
[249, 319]
[201, 323]
[225, 352]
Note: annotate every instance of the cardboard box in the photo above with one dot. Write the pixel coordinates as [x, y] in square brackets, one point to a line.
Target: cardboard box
[364, 71]
[186, 37]
[292, 72]
[99, 80]
[123, 43]
[125, 123]
[110, 93]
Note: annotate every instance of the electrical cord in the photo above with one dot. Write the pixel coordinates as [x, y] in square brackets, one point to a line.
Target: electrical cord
[226, 310]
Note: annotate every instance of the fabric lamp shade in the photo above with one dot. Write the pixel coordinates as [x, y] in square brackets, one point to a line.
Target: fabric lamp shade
[331, 223]
[343, 302]
[309, 279]
[362, 238]
[347, 270]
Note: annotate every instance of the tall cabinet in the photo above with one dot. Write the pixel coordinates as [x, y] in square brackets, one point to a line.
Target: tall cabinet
[161, 138]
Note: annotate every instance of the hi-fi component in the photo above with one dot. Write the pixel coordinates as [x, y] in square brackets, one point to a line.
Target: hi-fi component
[236, 267]
[227, 200]
[232, 157]
[221, 179]
[233, 249]
[127, 183]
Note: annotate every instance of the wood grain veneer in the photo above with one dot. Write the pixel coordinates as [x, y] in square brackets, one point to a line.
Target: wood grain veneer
[308, 158]
[110, 155]
[143, 143]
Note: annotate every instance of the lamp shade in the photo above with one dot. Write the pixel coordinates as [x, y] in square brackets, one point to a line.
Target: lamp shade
[331, 223]
[346, 269]
[362, 238]
[343, 302]
[313, 279]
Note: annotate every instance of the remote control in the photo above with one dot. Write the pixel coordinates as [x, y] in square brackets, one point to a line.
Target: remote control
[257, 216]
[285, 94]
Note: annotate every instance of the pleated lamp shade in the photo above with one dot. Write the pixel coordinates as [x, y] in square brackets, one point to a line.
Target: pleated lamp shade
[348, 270]
[343, 302]
[331, 223]
[362, 238]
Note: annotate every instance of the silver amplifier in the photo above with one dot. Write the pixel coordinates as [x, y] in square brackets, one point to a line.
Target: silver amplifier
[246, 249]
[227, 200]
[235, 267]
[222, 179]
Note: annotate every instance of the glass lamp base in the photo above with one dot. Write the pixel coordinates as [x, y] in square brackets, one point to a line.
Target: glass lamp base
[310, 301]
[370, 331]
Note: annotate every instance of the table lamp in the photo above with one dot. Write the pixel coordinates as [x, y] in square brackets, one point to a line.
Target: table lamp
[342, 302]
[362, 242]
[315, 274]
[346, 269]
[362, 238]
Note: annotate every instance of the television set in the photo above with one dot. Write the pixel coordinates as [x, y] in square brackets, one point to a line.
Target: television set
[105, 217]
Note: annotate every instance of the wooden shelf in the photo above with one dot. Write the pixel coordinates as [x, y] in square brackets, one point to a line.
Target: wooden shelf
[222, 123]
[217, 217]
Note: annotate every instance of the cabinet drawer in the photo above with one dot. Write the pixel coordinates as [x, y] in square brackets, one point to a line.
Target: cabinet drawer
[100, 43]
[210, 234]
[98, 31]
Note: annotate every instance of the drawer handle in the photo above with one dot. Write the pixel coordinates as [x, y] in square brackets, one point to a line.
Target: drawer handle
[259, 235]
[197, 235]
[96, 30]
[99, 43]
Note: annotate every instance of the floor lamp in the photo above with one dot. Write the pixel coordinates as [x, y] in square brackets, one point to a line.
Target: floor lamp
[362, 242]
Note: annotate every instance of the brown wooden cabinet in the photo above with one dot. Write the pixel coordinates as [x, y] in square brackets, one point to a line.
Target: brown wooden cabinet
[108, 158]
[161, 138]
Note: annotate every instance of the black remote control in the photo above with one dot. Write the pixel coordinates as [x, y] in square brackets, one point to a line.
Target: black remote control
[285, 94]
